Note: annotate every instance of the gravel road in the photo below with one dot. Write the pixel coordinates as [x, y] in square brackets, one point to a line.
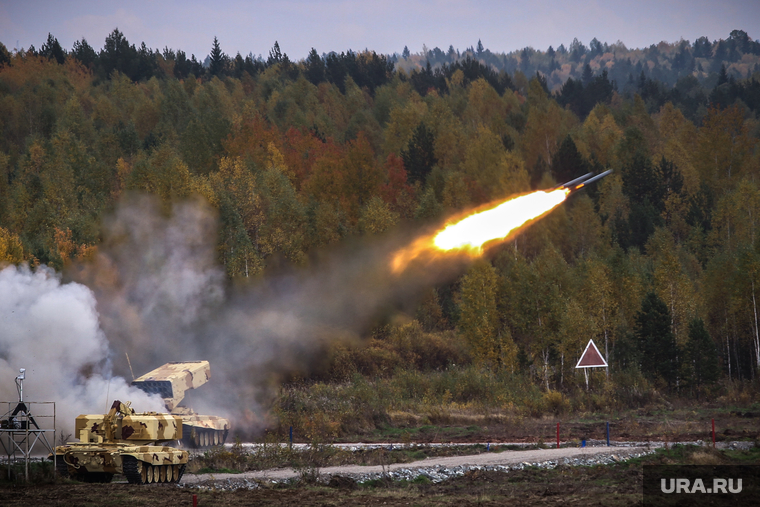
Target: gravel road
[435, 468]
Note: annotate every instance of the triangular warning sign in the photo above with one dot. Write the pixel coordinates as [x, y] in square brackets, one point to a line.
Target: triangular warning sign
[591, 358]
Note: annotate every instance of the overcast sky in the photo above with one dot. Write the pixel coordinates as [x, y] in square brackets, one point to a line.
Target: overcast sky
[384, 26]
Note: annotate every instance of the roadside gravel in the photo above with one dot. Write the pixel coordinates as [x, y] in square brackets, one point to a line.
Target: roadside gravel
[435, 469]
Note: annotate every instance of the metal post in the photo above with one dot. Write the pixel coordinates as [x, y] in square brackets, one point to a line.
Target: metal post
[557, 435]
[291, 437]
[26, 457]
[713, 432]
[608, 433]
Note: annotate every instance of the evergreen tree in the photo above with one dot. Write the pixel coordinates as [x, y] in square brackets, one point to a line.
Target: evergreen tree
[568, 162]
[315, 67]
[722, 76]
[218, 59]
[405, 53]
[588, 75]
[83, 52]
[52, 50]
[118, 55]
[5, 57]
[419, 157]
[702, 355]
[275, 55]
[657, 345]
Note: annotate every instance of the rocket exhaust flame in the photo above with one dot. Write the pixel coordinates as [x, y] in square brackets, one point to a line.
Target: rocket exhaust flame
[470, 234]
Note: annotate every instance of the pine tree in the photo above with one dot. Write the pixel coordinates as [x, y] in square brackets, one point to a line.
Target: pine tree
[118, 55]
[83, 52]
[723, 76]
[315, 67]
[657, 345]
[275, 55]
[568, 163]
[52, 50]
[218, 59]
[419, 157]
[702, 355]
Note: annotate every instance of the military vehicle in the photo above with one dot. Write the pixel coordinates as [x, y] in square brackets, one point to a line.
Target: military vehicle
[171, 381]
[123, 441]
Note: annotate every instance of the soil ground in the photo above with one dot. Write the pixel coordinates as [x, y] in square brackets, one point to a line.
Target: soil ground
[606, 485]
[613, 485]
[609, 485]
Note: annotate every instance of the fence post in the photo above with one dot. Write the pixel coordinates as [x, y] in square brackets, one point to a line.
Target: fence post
[557, 435]
[608, 433]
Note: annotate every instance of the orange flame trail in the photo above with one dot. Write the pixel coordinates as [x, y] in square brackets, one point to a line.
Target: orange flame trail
[471, 233]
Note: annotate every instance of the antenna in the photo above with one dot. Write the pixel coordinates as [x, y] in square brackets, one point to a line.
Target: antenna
[20, 384]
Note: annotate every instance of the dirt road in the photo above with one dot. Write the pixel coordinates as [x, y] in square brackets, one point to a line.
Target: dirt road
[485, 459]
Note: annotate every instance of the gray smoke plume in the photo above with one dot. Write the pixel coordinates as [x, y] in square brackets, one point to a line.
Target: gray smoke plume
[52, 329]
[162, 296]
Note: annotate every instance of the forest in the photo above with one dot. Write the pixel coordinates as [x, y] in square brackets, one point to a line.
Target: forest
[659, 262]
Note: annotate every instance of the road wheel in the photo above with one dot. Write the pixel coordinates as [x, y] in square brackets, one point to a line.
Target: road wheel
[149, 477]
[169, 473]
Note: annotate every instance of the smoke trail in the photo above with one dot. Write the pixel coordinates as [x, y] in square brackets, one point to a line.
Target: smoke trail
[162, 297]
[52, 330]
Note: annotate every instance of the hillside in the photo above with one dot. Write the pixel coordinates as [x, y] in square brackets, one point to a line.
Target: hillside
[659, 263]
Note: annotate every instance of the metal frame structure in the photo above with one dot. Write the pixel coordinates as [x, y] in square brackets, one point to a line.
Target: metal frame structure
[22, 427]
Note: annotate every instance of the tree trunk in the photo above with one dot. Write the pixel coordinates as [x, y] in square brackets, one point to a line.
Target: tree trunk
[757, 334]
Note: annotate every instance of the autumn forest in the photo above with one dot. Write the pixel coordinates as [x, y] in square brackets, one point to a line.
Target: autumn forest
[658, 262]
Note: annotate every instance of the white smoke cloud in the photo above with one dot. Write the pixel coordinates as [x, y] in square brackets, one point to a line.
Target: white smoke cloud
[52, 329]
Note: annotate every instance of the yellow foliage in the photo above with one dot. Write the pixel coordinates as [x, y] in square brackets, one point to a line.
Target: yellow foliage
[598, 137]
[678, 136]
[11, 250]
[376, 217]
[401, 125]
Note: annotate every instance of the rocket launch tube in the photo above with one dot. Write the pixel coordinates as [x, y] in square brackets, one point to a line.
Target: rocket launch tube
[591, 180]
[582, 181]
[573, 182]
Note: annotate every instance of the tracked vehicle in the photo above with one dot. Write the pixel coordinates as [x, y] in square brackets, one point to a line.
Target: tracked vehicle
[124, 441]
[171, 381]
